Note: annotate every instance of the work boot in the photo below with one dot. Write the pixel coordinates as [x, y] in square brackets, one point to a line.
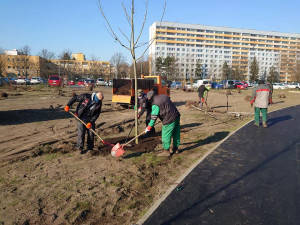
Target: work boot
[164, 153]
[175, 150]
[265, 125]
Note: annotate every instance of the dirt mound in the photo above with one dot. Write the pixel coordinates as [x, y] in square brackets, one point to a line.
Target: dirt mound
[281, 96]
[63, 147]
[145, 145]
[190, 103]
[228, 92]
[4, 95]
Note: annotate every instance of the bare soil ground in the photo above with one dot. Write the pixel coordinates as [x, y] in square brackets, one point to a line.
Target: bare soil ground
[44, 180]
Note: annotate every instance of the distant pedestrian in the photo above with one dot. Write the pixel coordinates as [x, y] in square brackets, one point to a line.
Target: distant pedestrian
[88, 110]
[261, 98]
[164, 109]
[201, 93]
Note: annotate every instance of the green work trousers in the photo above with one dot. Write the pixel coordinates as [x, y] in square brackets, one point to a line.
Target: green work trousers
[257, 115]
[169, 131]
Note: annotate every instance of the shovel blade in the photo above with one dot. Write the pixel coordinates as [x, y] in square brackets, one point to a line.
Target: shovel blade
[117, 150]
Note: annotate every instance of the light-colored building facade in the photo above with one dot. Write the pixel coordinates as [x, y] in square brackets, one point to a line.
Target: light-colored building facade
[79, 65]
[22, 65]
[211, 46]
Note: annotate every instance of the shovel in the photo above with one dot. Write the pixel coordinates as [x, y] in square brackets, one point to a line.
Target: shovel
[104, 142]
[118, 150]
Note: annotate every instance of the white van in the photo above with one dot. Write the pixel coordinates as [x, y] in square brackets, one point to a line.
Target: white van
[100, 82]
[206, 82]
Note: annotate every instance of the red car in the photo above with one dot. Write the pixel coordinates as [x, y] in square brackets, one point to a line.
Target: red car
[244, 83]
[90, 82]
[71, 82]
[240, 86]
[80, 82]
[54, 80]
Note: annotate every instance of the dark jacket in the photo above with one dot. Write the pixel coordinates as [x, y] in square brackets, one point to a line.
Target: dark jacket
[87, 109]
[168, 112]
[201, 90]
[144, 105]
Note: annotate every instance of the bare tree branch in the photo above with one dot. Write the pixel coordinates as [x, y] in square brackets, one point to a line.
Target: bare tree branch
[127, 16]
[156, 36]
[110, 28]
[145, 18]
[124, 35]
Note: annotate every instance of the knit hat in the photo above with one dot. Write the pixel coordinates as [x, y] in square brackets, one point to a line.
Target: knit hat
[139, 91]
[150, 94]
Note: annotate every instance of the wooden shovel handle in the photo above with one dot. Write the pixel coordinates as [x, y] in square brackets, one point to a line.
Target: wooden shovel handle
[133, 139]
[85, 125]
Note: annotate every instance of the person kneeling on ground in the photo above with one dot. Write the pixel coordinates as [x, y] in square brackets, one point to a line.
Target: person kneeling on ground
[261, 97]
[145, 105]
[88, 110]
[164, 109]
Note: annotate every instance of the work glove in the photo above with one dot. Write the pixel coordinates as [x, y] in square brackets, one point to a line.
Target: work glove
[88, 126]
[148, 128]
[139, 116]
[67, 108]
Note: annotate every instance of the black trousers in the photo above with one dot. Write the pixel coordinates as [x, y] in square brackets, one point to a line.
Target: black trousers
[81, 135]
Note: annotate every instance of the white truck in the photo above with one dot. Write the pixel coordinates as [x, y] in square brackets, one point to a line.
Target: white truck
[206, 82]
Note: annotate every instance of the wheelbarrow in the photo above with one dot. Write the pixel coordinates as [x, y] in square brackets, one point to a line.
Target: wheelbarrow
[104, 142]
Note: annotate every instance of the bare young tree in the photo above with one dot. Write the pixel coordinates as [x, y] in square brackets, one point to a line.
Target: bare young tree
[46, 54]
[117, 60]
[24, 62]
[2, 63]
[45, 64]
[133, 41]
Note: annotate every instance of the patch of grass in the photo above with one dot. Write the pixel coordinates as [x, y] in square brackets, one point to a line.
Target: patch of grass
[14, 202]
[51, 156]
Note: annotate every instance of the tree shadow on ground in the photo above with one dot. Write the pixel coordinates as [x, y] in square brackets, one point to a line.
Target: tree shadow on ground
[218, 136]
[273, 121]
[16, 117]
[220, 106]
[191, 125]
[179, 103]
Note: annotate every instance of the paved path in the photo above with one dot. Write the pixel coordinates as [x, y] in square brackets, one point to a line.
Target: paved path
[251, 178]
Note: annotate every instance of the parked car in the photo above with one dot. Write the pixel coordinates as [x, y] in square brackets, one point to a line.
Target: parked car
[100, 82]
[188, 85]
[35, 80]
[292, 85]
[176, 84]
[4, 81]
[110, 83]
[22, 80]
[216, 85]
[54, 80]
[44, 80]
[206, 82]
[240, 86]
[228, 84]
[80, 82]
[71, 82]
[279, 86]
[89, 82]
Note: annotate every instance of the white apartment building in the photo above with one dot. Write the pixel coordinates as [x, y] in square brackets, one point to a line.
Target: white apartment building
[211, 46]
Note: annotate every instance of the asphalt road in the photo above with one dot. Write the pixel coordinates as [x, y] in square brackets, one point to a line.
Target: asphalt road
[251, 178]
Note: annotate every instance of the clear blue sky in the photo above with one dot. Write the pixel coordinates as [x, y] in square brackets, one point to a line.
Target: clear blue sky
[77, 25]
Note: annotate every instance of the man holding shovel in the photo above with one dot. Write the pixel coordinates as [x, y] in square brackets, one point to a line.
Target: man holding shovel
[164, 109]
[202, 91]
[145, 105]
[88, 110]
